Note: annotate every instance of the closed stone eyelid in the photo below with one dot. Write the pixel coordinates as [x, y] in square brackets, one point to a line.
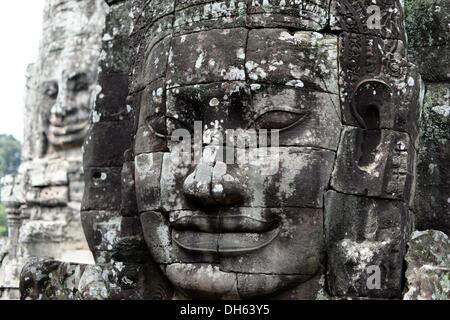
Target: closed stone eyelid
[302, 116]
[279, 109]
[159, 135]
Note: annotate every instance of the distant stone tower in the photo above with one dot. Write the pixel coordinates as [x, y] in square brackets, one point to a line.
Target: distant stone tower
[43, 200]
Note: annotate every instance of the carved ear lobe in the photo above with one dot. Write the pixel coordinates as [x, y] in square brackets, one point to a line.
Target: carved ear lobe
[372, 104]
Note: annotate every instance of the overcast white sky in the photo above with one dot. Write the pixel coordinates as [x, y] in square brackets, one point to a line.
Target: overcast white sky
[20, 33]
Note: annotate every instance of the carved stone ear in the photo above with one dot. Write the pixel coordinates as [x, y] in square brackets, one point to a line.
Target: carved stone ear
[372, 101]
[373, 105]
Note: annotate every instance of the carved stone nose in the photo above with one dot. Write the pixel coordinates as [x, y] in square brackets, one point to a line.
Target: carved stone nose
[63, 109]
[210, 184]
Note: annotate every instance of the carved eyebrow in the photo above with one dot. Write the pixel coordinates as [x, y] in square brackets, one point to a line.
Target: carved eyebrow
[79, 76]
[49, 82]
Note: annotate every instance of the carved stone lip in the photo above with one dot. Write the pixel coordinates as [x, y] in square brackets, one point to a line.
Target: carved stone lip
[62, 130]
[224, 243]
[224, 223]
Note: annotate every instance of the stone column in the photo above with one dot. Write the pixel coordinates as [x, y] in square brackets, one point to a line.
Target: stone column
[14, 223]
[10, 266]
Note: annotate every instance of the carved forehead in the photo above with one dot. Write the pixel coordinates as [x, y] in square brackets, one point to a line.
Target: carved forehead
[315, 15]
[198, 14]
[283, 44]
[62, 61]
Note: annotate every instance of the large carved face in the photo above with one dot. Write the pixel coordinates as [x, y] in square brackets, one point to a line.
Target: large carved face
[67, 103]
[223, 227]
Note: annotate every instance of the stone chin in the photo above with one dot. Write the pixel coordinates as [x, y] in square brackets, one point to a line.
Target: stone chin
[245, 258]
[207, 281]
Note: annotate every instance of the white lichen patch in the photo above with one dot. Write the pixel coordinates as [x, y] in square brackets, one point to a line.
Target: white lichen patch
[200, 59]
[442, 110]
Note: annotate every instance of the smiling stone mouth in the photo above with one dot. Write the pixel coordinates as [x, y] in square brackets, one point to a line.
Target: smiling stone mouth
[238, 233]
[62, 130]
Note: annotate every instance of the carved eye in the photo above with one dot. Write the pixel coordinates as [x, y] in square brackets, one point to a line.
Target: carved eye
[51, 89]
[78, 83]
[157, 125]
[81, 86]
[279, 119]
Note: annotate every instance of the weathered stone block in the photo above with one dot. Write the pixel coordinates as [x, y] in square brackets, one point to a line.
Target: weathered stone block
[48, 196]
[379, 87]
[428, 265]
[303, 15]
[225, 105]
[211, 61]
[431, 203]
[115, 43]
[375, 163]
[299, 244]
[111, 103]
[366, 238]
[152, 126]
[128, 205]
[303, 118]
[101, 228]
[76, 187]
[262, 285]
[207, 14]
[148, 174]
[154, 65]
[200, 280]
[302, 59]
[270, 179]
[103, 189]
[107, 143]
[361, 17]
[52, 173]
[428, 28]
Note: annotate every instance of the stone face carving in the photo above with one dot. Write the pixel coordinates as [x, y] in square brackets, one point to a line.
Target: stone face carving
[44, 199]
[222, 229]
[330, 202]
[66, 88]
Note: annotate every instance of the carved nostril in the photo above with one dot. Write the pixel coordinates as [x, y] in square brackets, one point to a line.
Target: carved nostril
[189, 185]
[210, 185]
[229, 191]
[226, 189]
[197, 186]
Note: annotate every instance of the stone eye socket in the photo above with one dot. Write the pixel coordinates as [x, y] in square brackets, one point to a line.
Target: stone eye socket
[279, 119]
[78, 83]
[51, 90]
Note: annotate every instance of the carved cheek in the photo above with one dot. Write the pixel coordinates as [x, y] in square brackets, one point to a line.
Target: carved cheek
[81, 100]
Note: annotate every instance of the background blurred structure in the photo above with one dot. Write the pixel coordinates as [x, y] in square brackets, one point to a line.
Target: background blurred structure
[43, 200]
